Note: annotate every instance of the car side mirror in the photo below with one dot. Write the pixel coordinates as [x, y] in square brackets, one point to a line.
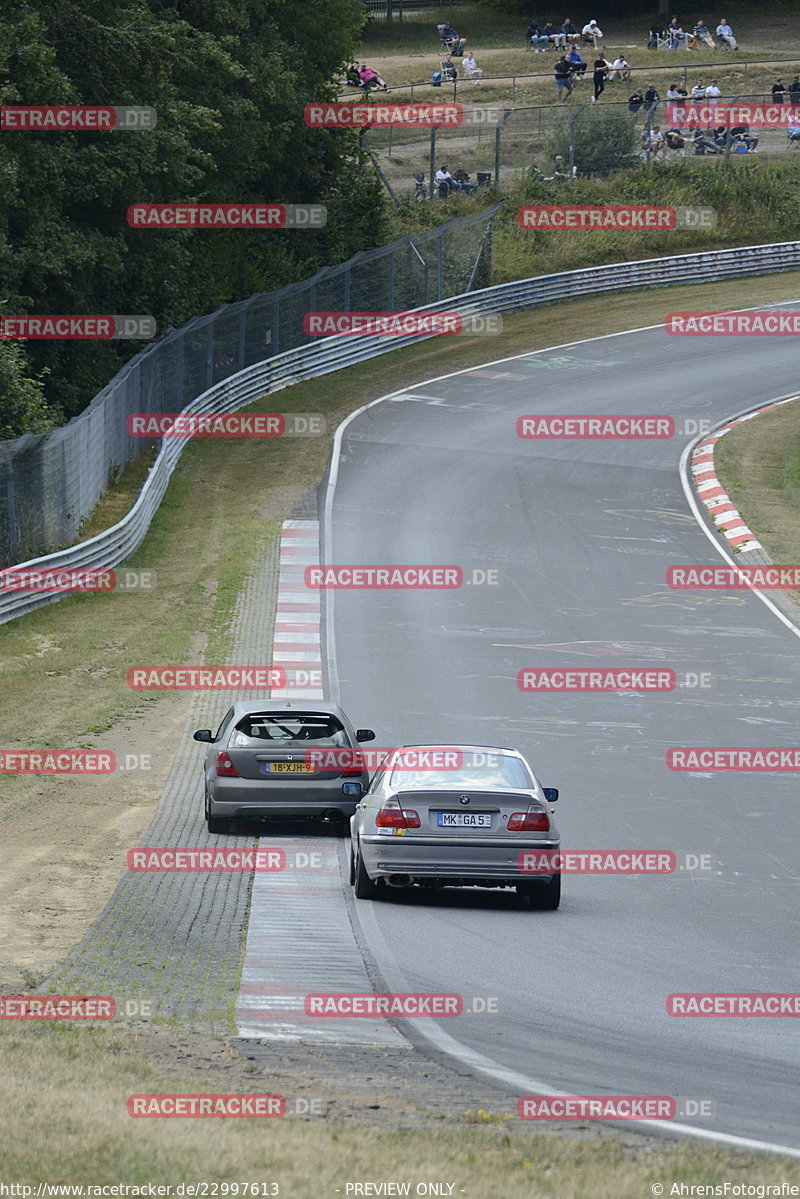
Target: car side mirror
[203, 735]
[365, 735]
[550, 794]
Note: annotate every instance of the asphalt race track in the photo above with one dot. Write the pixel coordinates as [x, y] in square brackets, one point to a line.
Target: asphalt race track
[582, 533]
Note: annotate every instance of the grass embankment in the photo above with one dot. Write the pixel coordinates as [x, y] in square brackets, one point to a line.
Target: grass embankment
[63, 1093]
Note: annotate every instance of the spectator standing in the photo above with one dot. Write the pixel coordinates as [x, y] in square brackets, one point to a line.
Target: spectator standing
[713, 94]
[794, 90]
[599, 73]
[635, 101]
[651, 99]
[778, 91]
[675, 92]
[563, 78]
[699, 90]
[725, 33]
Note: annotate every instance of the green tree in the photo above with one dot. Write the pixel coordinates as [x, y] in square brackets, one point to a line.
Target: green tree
[604, 142]
[22, 406]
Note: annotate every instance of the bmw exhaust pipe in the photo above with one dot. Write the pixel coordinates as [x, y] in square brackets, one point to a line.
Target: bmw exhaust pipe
[399, 880]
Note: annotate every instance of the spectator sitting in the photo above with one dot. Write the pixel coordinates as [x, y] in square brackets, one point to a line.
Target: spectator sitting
[570, 32]
[674, 138]
[794, 90]
[558, 38]
[620, 67]
[793, 132]
[701, 34]
[462, 179]
[535, 37]
[703, 144]
[592, 33]
[721, 136]
[370, 78]
[558, 171]
[455, 44]
[676, 35]
[725, 33]
[449, 71]
[742, 133]
[578, 64]
[444, 176]
[656, 140]
[563, 78]
[635, 101]
[778, 91]
[471, 69]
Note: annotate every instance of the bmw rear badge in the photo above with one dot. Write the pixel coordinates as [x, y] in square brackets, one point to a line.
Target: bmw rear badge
[465, 799]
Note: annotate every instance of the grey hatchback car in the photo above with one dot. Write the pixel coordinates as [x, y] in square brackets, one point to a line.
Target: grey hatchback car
[478, 822]
[267, 759]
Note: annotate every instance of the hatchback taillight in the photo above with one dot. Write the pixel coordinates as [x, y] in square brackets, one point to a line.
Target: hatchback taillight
[225, 767]
[397, 818]
[529, 822]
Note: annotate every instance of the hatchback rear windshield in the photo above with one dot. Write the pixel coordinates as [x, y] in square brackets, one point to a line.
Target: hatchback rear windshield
[501, 772]
[277, 728]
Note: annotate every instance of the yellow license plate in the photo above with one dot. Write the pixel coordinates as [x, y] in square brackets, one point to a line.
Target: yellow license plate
[288, 768]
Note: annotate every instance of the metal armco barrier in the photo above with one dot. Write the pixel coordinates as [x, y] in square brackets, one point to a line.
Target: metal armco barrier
[112, 547]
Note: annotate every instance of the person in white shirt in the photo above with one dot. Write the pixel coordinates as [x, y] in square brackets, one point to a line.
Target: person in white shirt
[471, 68]
[713, 93]
[725, 33]
[593, 33]
[444, 176]
[620, 67]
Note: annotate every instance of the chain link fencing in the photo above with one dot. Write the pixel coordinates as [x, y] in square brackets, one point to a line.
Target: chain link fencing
[50, 483]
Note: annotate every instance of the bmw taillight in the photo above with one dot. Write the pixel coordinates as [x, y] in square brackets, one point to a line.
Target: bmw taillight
[397, 818]
[225, 767]
[529, 822]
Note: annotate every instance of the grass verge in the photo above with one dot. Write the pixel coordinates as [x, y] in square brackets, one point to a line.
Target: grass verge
[63, 1091]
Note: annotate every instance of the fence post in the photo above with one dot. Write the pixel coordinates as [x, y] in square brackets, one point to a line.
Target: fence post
[439, 266]
[432, 161]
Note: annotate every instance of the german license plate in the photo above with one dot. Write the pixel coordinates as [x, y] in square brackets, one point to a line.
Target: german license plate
[464, 819]
[287, 767]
